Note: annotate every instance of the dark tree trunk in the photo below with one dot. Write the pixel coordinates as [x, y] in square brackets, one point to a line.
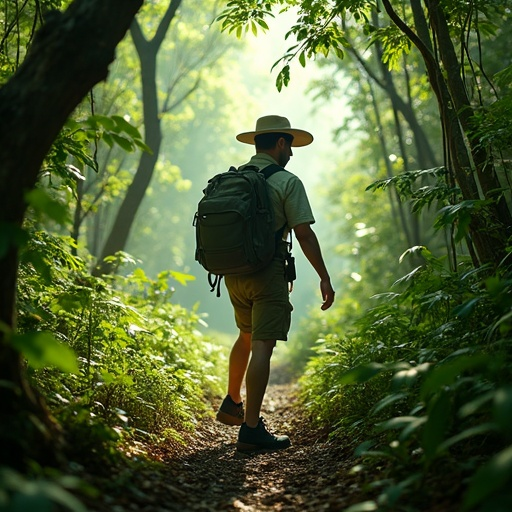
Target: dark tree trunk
[148, 52]
[69, 55]
[489, 230]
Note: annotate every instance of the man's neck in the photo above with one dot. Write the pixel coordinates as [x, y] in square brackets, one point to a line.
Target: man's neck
[274, 153]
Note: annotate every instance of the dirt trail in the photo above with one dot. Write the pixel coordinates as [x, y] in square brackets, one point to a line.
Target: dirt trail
[207, 475]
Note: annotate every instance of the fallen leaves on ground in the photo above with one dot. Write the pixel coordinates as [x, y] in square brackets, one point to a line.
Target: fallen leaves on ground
[207, 474]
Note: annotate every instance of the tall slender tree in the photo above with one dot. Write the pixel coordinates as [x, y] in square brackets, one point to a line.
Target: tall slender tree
[147, 50]
[183, 69]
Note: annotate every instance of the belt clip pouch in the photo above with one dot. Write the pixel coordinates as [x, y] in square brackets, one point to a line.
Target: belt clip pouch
[289, 268]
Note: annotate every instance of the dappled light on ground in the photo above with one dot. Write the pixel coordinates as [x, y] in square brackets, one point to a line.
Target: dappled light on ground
[207, 475]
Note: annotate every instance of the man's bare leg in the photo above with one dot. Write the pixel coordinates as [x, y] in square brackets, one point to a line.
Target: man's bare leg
[256, 379]
[238, 360]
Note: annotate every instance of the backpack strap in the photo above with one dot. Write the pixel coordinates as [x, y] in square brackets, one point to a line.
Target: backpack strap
[214, 281]
[267, 172]
[270, 170]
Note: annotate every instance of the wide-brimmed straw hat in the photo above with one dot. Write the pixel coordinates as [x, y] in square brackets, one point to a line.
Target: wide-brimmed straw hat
[276, 124]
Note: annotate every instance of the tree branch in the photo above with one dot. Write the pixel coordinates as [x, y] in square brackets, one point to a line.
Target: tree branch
[163, 26]
[169, 108]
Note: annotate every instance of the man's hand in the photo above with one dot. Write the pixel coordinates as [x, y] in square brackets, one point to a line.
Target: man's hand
[327, 294]
[311, 249]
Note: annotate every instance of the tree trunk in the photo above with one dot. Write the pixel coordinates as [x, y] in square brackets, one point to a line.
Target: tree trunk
[488, 231]
[148, 52]
[479, 160]
[69, 55]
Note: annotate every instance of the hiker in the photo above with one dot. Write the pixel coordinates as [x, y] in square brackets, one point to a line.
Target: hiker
[261, 300]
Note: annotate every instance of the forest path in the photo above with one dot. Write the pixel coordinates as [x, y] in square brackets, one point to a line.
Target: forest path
[208, 475]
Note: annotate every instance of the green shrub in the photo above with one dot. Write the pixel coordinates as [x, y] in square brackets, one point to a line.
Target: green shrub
[143, 366]
[425, 382]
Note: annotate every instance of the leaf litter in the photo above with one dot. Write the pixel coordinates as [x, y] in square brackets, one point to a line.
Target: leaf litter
[206, 473]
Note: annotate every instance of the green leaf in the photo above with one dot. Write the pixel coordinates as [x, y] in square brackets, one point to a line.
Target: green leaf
[123, 142]
[447, 372]
[417, 250]
[140, 144]
[262, 23]
[339, 52]
[302, 59]
[364, 506]
[466, 309]
[75, 171]
[484, 428]
[126, 127]
[61, 496]
[460, 214]
[438, 420]
[408, 376]
[363, 448]
[502, 409]
[392, 494]
[279, 82]
[41, 349]
[412, 427]
[181, 277]
[387, 401]
[99, 120]
[41, 494]
[43, 203]
[107, 138]
[399, 422]
[474, 405]
[361, 373]
[490, 478]
[286, 75]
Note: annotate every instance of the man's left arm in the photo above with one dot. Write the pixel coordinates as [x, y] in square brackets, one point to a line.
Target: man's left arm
[311, 249]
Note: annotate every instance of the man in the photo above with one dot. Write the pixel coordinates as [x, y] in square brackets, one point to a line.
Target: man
[261, 300]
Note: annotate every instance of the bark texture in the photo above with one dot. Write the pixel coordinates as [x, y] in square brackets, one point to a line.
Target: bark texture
[70, 54]
[470, 165]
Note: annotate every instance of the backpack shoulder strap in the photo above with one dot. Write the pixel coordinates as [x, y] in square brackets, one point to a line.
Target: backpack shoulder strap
[271, 169]
[267, 172]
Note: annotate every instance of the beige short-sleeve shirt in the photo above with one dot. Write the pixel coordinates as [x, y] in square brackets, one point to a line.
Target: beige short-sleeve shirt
[288, 196]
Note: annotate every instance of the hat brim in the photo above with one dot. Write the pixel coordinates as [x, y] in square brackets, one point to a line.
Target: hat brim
[300, 137]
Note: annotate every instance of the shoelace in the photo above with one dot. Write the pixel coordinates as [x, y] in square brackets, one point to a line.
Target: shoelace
[264, 424]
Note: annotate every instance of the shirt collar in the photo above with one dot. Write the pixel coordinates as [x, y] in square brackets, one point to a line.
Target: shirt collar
[261, 160]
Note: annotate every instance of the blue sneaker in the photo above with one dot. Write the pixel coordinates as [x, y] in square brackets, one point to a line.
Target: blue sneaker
[259, 439]
[231, 413]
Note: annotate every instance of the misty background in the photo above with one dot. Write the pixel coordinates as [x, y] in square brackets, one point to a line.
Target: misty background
[168, 212]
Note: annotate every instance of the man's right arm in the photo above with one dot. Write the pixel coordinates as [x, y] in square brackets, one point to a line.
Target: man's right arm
[311, 249]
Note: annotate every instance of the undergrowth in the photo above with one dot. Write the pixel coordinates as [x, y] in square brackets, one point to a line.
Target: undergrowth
[422, 389]
[115, 359]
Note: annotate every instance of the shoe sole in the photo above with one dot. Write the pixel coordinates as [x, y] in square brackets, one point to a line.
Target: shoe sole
[228, 419]
[250, 449]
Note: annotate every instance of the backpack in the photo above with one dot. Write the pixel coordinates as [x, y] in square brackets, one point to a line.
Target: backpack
[234, 223]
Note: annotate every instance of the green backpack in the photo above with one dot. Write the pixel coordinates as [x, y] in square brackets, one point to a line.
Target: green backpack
[234, 223]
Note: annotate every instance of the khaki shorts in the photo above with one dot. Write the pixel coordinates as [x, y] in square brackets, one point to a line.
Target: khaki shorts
[261, 302]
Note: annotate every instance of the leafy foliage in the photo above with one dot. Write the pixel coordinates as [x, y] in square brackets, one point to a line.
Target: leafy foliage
[431, 362]
[143, 367]
[115, 361]
[43, 493]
